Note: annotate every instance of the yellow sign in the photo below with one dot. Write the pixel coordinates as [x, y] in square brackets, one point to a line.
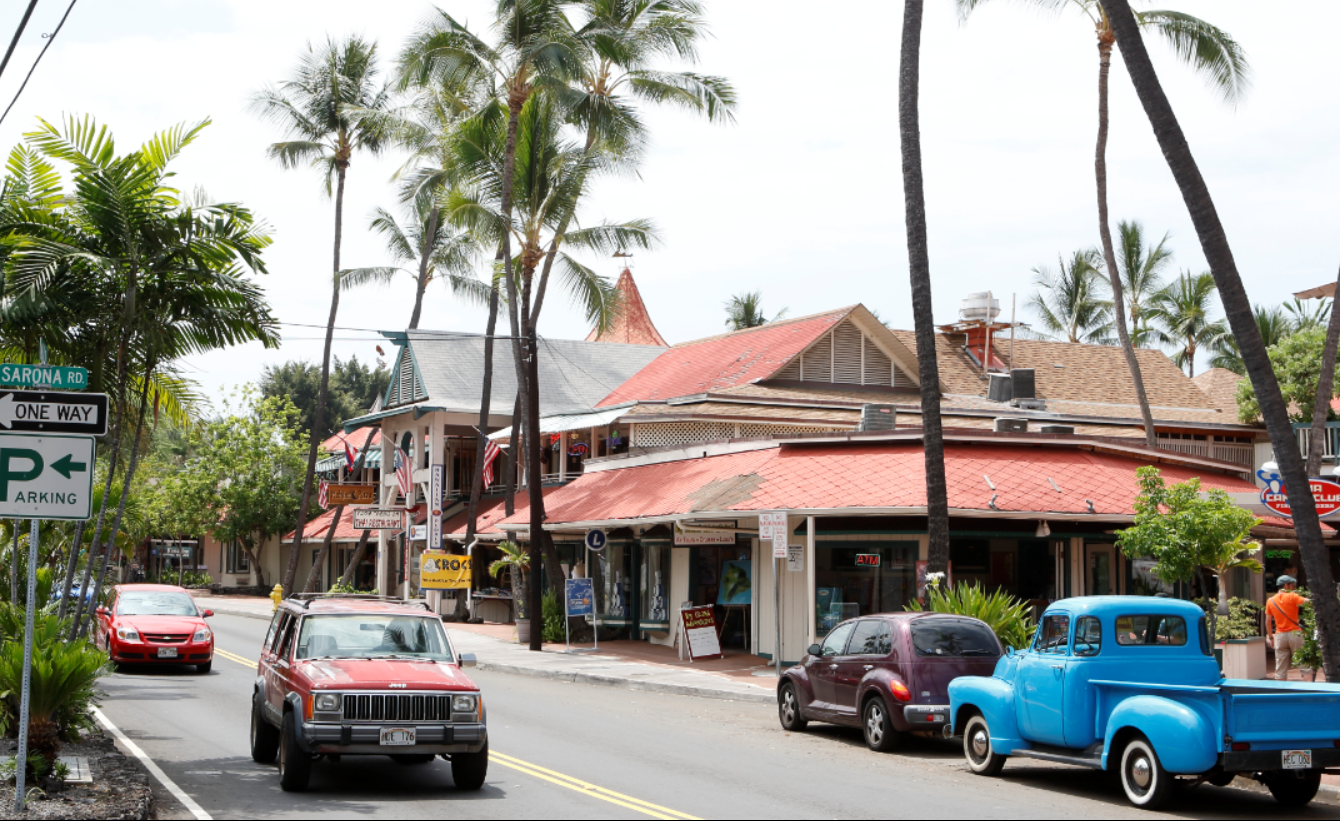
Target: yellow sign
[439, 571]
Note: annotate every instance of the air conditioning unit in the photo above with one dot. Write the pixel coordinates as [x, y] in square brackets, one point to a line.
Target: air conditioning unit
[1001, 388]
[1025, 383]
[1009, 424]
[1063, 430]
[878, 418]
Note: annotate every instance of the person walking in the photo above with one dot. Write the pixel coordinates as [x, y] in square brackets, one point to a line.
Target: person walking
[1283, 626]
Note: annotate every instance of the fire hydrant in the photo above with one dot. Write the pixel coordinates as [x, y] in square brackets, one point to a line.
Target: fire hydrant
[277, 596]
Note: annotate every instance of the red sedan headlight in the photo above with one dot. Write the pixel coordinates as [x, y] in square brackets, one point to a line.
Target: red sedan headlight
[202, 635]
[128, 635]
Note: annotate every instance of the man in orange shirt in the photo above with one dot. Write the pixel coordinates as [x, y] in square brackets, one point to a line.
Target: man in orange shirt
[1283, 626]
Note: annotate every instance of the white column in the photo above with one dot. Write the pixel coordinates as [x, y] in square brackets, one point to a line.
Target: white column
[812, 604]
[385, 494]
[563, 456]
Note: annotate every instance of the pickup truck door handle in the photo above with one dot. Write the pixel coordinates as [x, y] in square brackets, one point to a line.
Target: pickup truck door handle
[869, 667]
[832, 667]
[1057, 668]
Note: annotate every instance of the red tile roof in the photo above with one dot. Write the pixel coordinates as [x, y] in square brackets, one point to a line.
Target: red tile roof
[724, 361]
[315, 531]
[491, 513]
[868, 476]
[633, 326]
[335, 444]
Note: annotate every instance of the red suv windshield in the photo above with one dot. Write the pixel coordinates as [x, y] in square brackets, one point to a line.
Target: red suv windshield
[373, 635]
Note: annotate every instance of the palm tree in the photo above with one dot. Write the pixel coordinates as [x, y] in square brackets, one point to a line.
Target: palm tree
[1213, 53]
[515, 562]
[1069, 301]
[1141, 265]
[1271, 323]
[1303, 316]
[1182, 311]
[1219, 255]
[745, 311]
[919, 272]
[315, 106]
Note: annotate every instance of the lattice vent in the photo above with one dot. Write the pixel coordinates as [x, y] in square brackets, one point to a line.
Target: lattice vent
[847, 342]
[878, 366]
[673, 434]
[791, 371]
[818, 363]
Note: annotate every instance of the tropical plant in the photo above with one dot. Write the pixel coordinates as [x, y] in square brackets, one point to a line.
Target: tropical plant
[353, 388]
[1243, 620]
[1182, 312]
[1272, 323]
[1141, 265]
[515, 562]
[1296, 362]
[315, 107]
[1009, 618]
[1187, 532]
[919, 275]
[552, 617]
[745, 311]
[1304, 315]
[60, 689]
[1310, 657]
[1070, 301]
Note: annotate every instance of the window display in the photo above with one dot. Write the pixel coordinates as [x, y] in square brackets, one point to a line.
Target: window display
[848, 585]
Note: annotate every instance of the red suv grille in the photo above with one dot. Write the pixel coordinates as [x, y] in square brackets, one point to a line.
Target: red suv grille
[166, 638]
[397, 707]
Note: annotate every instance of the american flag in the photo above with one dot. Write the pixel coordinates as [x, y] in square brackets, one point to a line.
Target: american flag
[348, 456]
[491, 451]
[323, 495]
[403, 478]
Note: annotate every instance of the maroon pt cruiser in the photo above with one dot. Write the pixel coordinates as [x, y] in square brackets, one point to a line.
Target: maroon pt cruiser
[888, 674]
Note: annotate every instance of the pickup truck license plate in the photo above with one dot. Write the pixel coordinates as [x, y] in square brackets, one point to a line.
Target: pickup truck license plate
[397, 737]
[1297, 759]
[167, 652]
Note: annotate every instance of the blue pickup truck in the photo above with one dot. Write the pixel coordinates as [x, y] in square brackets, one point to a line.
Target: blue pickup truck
[1129, 685]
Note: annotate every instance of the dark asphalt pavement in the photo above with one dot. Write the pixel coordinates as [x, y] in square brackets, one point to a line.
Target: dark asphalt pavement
[580, 751]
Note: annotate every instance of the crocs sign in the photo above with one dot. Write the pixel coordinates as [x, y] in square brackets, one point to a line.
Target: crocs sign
[1325, 492]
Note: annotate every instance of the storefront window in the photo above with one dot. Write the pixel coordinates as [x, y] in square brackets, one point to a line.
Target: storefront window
[860, 578]
[722, 576]
[654, 586]
[614, 597]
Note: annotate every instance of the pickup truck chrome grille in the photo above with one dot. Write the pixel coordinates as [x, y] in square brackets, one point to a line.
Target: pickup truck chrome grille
[401, 707]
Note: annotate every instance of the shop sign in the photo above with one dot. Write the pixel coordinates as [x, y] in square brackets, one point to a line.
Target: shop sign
[596, 540]
[867, 560]
[436, 490]
[418, 533]
[700, 538]
[1325, 492]
[581, 597]
[700, 630]
[439, 571]
[337, 495]
[795, 558]
[374, 519]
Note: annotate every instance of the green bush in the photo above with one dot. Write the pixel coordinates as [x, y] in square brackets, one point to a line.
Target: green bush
[1310, 655]
[61, 692]
[1010, 618]
[551, 608]
[1242, 622]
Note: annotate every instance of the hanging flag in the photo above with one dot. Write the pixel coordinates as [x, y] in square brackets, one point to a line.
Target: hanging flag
[348, 456]
[323, 495]
[491, 451]
[403, 478]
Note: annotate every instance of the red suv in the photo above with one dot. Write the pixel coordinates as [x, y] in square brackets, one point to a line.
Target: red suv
[364, 675]
[154, 623]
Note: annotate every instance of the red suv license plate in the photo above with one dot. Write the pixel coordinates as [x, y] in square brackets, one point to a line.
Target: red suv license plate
[397, 737]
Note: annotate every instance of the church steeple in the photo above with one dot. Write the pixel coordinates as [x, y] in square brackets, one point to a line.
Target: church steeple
[633, 325]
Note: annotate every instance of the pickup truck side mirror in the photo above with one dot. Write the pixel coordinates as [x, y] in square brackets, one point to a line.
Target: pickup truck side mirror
[102, 611]
[814, 650]
[468, 660]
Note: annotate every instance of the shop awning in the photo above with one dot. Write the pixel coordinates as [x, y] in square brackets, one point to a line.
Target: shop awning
[566, 422]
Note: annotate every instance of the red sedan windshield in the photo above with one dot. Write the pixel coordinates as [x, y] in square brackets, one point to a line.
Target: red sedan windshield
[156, 604]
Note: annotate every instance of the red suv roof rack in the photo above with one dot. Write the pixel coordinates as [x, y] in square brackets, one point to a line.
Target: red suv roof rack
[306, 599]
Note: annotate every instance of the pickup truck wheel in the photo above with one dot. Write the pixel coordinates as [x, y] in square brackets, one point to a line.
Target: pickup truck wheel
[295, 765]
[982, 758]
[788, 709]
[264, 738]
[1294, 789]
[469, 770]
[880, 734]
[1146, 783]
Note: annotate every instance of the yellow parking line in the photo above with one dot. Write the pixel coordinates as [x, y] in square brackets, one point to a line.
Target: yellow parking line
[233, 657]
[577, 785]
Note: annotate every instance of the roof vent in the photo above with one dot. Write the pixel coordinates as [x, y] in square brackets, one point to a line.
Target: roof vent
[878, 418]
[1025, 383]
[979, 307]
[1061, 430]
[1008, 424]
[1001, 388]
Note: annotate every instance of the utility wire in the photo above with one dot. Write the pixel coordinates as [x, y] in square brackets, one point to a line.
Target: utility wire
[40, 55]
[442, 334]
[23, 24]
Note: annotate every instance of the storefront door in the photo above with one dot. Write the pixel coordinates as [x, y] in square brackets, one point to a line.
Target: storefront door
[1100, 570]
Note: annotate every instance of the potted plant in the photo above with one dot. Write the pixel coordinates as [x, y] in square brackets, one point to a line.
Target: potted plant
[1238, 641]
[515, 562]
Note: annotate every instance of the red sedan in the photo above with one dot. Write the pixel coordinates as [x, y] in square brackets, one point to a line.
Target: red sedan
[155, 623]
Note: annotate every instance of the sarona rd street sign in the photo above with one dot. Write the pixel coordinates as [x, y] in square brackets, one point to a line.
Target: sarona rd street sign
[46, 476]
[43, 376]
[53, 412]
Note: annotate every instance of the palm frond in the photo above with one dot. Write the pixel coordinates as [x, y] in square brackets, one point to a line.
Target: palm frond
[1210, 50]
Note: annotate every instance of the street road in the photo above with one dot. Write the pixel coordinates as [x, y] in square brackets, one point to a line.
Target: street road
[578, 751]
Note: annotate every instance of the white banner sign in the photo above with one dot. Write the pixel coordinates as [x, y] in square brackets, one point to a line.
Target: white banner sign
[374, 519]
[435, 494]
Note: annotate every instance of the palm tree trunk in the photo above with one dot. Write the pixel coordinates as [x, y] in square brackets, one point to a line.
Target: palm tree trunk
[355, 560]
[1325, 391]
[509, 481]
[429, 240]
[481, 444]
[76, 547]
[319, 419]
[1105, 43]
[1238, 308]
[319, 562]
[919, 264]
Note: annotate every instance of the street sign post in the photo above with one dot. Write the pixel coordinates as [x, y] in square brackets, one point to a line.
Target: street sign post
[43, 376]
[374, 519]
[46, 476]
[54, 412]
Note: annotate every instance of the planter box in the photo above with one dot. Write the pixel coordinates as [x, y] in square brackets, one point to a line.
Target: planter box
[1244, 658]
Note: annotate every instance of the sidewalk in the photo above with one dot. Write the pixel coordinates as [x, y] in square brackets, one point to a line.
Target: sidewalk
[631, 665]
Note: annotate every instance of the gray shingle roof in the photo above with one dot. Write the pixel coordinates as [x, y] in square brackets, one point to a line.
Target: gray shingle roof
[574, 376]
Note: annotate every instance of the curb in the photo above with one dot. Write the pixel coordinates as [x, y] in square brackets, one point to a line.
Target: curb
[222, 612]
[762, 697]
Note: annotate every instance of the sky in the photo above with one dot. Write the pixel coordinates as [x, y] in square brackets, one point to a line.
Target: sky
[801, 198]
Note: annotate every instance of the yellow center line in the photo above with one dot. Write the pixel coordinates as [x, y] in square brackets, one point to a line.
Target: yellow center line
[233, 657]
[577, 785]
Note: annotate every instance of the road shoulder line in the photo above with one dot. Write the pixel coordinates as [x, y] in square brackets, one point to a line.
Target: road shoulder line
[154, 770]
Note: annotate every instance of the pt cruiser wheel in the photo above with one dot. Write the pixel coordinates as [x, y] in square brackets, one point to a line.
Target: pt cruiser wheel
[982, 758]
[880, 734]
[788, 709]
[1146, 783]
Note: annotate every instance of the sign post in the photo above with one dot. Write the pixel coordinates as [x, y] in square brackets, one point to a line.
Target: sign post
[773, 526]
[21, 757]
[580, 600]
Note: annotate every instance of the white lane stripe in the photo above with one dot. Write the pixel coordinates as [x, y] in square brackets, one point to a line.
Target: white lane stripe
[154, 769]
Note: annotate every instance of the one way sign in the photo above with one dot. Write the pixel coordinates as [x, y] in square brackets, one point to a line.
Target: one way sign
[46, 477]
[53, 412]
